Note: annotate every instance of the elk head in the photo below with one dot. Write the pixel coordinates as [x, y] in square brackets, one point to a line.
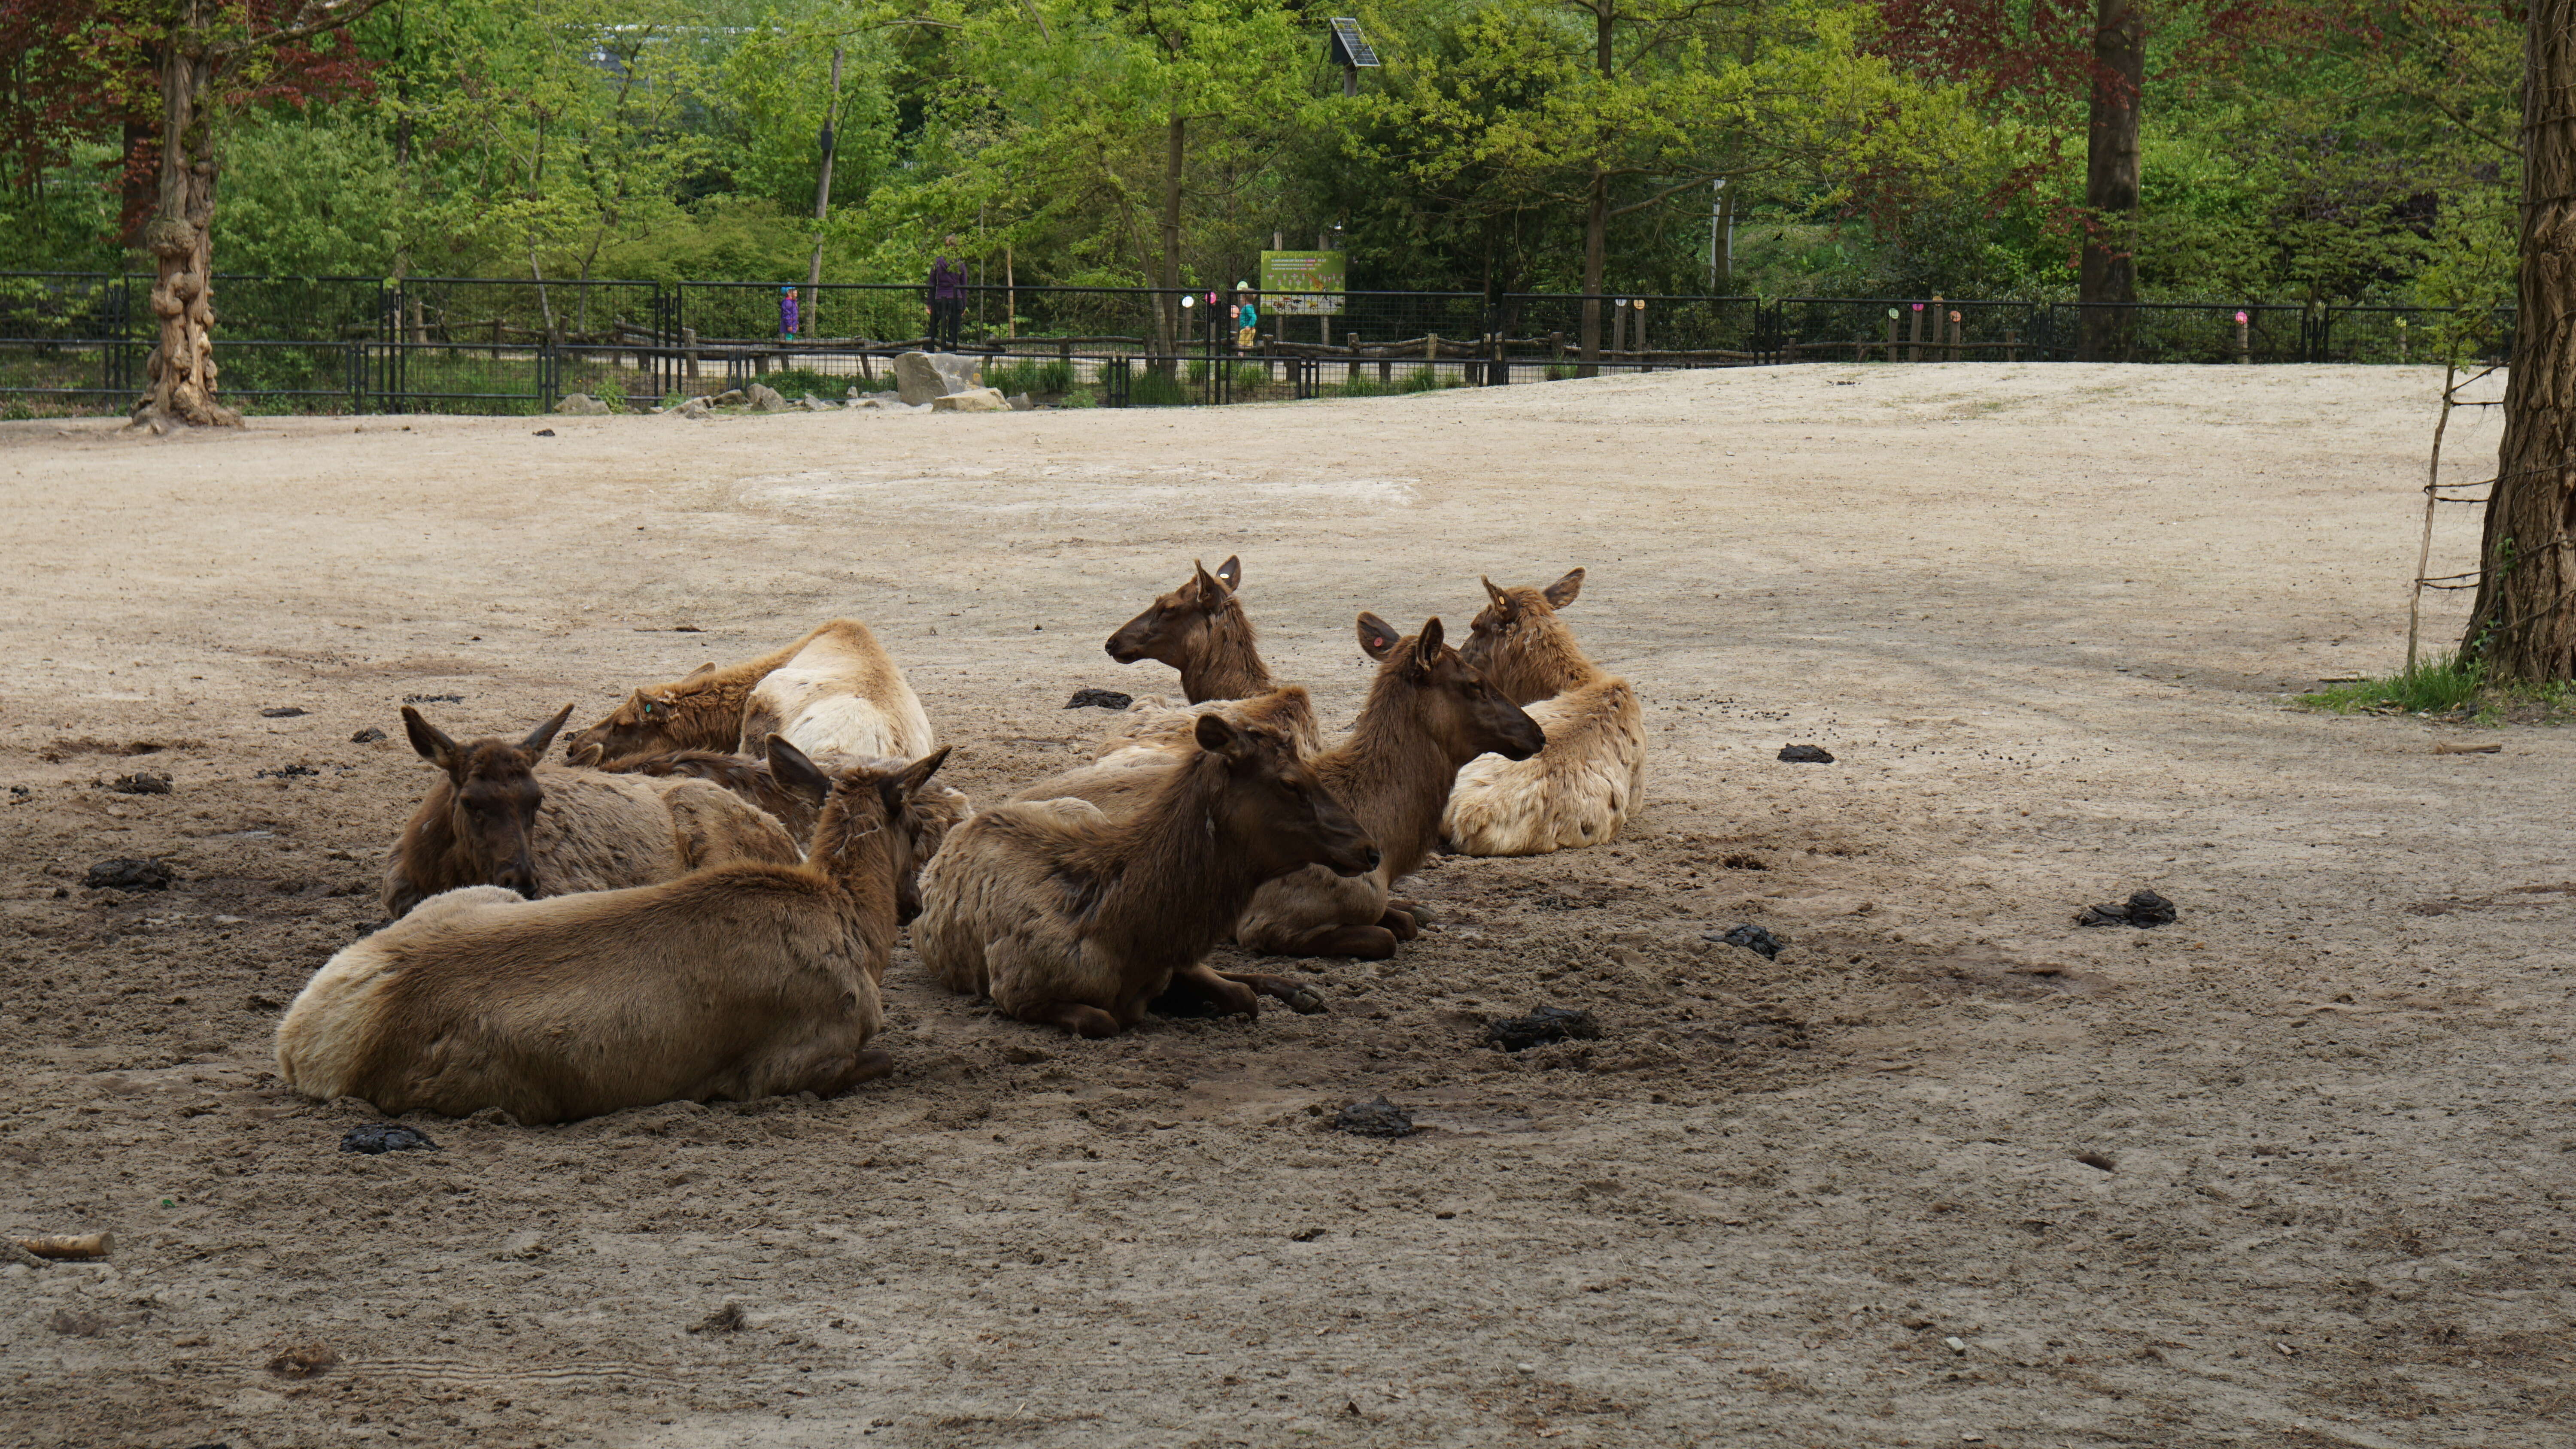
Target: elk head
[1171, 628]
[1516, 630]
[1449, 696]
[641, 725]
[879, 795]
[1278, 806]
[492, 796]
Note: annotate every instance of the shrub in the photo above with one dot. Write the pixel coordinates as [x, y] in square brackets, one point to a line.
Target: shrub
[1031, 375]
[1150, 389]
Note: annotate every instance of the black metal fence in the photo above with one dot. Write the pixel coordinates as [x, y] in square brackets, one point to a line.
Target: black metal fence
[75, 341]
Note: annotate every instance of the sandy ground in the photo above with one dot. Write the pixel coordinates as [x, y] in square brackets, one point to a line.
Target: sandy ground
[2045, 615]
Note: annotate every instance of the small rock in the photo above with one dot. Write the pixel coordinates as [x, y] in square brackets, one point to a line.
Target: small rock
[1805, 755]
[20, 792]
[975, 400]
[140, 783]
[232, 920]
[813, 404]
[2144, 910]
[1098, 699]
[1954, 1345]
[582, 405]
[129, 875]
[283, 712]
[375, 1138]
[1021, 402]
[1544, 1025]
[367, 736]
[1376, 1117]
[731, 397]
[693, 407]
[724, 1320]
[1751, 938]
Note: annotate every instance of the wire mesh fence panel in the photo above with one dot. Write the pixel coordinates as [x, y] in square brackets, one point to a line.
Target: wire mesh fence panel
[72, 304]
[501, 311]
[294, 309]
[437, 377]
[67, 376]
[1638, 324]
[284, 377]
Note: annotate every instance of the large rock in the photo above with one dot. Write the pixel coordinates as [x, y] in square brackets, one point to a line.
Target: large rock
[1021, 402]
[973, 400]
[583, 405]
[766, 399]
[688, 407]
[922, 377]
[731, 397]
[813, 404]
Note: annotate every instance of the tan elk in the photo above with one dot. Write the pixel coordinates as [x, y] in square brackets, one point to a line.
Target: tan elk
[840, 695]
[702, 711]
[739, 982]
[498, 816]
[1582, 788]
[1066, 917]
[1428, 712]
[936, 810]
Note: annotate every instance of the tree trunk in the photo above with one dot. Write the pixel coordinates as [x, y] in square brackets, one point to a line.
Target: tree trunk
[180, 372]
[2110, 269]
[2523, 626]
[1168, 316]
[823, 197]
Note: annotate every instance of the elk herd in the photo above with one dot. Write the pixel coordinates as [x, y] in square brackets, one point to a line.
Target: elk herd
[700, 902]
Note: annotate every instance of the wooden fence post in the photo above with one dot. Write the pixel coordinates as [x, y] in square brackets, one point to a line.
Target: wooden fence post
[1618, 326]
[689, 342]
[2012, 344]
[1352, 373]
[1957, 339]
[2244, 341]
[1914, 342]
[1891, 335]
[1640, 305]
[1431, 355]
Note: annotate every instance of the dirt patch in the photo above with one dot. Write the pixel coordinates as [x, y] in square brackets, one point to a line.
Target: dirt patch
[1757, 1209]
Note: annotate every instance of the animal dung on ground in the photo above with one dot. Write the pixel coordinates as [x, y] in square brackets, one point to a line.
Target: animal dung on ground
[2143, 909]
[129, 875]
[367, 736]
[1376, 1117]
[1751, 938]
[433, 699]
[303, 1360]
[284, 772]
[376, 1138]
[282, 712]
[71, 1247]
[543, 433]
[140, 783]
[1805, 755]
[1099, 699]
[727, 1319]
[1543, 1025]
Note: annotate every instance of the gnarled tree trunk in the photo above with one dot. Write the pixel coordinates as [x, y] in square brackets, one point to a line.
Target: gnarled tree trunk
[2109, 271]
[2523, 626]
[180, 374]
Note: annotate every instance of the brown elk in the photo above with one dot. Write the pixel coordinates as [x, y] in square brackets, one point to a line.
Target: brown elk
[499, 817]
[1428, 712]
[838, 696]
[702, 711]
[743, 981]
[1591, 777]
[1066, 917]
[1199, 629]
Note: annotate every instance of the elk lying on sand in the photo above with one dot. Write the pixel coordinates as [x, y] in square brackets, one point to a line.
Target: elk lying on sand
[1066, 917]
[1200, 630]
[740, 982]
[498, 817]
[1591, 777]
[1428, 713]
[936, 810]
[700, 712]
[839, 696]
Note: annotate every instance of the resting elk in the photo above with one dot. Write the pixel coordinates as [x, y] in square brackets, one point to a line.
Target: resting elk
[743, 981]
[499, 817]
[936, 810]
[1064, 916]
[838, 695]
[1201, 630]
[1591, 777]
[702, 711]
[1428, 712]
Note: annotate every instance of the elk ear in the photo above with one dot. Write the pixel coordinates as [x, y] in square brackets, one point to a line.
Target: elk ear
[918, 773]
[1426, 645]
[432, 744]
[702, 670]
[1501, 600]
[1377, 637]
[793, 771]
[1562, 592]
[1231, 571]
[542, 738]
[1210, 592]
[1218, 736]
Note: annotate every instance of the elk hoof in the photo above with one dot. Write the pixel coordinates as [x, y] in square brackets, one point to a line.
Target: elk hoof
[1306, 1001]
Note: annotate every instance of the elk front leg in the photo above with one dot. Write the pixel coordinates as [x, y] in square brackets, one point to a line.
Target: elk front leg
[1073, 1016]
[1302, 999]
[1199, 990]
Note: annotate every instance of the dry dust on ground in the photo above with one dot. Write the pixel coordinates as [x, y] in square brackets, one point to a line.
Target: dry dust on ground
[2296, 1170]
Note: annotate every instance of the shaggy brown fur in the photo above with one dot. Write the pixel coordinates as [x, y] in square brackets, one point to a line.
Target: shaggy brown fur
[935, 810]
[1200, 630]
[1152, 724]
[734, 983]
[1592, 775]
[498, 817]
[700, 712]
[1064, 916]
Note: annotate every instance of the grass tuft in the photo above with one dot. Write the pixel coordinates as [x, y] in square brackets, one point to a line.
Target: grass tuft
[2438, 686]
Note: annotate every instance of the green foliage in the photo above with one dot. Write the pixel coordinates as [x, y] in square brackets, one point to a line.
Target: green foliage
[1031, 376]
[1151, 389]
[2440, 685]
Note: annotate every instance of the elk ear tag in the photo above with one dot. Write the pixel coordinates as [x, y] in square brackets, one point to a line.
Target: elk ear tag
[1377, 637]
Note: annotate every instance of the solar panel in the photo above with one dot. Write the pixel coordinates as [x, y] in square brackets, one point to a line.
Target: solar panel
[1348, 46]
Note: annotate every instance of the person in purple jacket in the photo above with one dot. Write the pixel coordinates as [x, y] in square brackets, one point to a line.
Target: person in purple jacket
[947, 298]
